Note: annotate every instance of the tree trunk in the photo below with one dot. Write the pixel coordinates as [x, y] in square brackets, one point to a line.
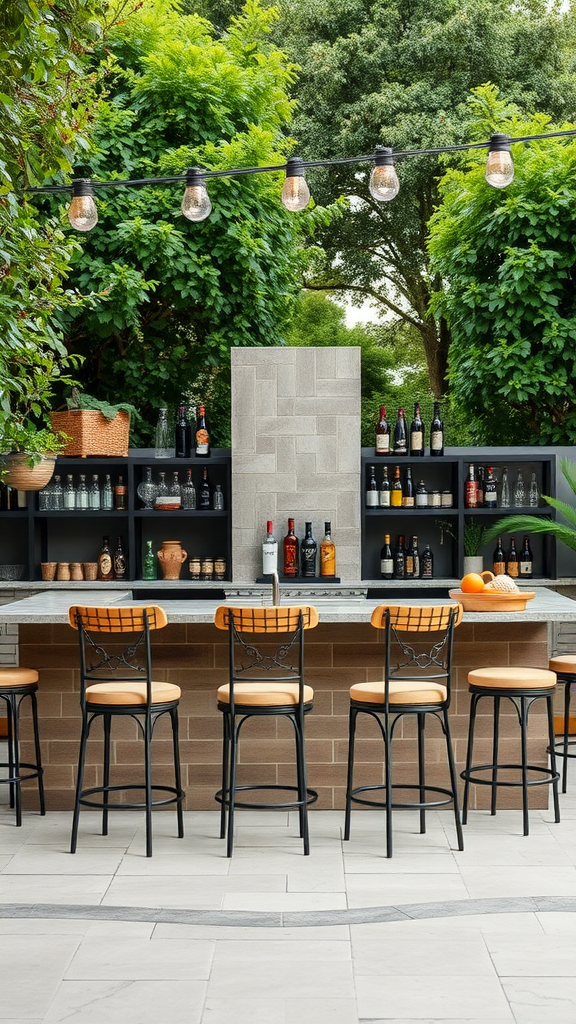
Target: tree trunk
[436, 339]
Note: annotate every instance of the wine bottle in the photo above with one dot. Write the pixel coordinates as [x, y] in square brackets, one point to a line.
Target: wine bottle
[498, 560]
[119, 561]
[480, 488]
[386, 559]
[181, 435]
[471, 488]
[120, 494]
[400, 438]
[372, 490]
[526, 560]
[409, 567]
[399, 559]
[384, 495]
[436, 432]
[269, 551]
[382, 446]
[204, 490]
[490, 489]
[327, 553]
[202, 437]
[408, 490]
[427, 564]
[417, 432]
[290, 551]
[396, 492]
[512, 566]
[105, 565]
[308, 549]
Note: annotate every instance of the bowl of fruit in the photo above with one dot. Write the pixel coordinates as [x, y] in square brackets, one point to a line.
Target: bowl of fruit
[485, 592]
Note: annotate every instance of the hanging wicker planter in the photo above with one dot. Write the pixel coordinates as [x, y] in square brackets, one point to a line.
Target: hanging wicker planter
[23, 477]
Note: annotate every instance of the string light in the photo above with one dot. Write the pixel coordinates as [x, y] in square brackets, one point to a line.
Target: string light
[383, 185]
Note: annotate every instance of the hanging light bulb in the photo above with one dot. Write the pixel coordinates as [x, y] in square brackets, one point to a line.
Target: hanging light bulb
[82, 212]
[499, 165]
[383, 184]
[295, 191]
[196, 205]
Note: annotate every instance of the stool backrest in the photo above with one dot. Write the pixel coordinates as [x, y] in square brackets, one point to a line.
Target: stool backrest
[417, 659]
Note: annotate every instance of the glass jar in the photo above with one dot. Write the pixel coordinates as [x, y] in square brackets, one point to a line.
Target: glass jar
[162, 445]
[446, 499]
[435, 499]
[219, 568]
[147, 489]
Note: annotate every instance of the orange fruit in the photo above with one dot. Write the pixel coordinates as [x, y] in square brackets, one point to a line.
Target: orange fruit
[472, 583]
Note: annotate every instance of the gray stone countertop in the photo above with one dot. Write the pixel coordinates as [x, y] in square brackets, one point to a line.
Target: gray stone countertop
[52, 607]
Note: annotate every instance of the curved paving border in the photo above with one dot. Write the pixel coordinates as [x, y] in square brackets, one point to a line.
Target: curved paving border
[294, 919]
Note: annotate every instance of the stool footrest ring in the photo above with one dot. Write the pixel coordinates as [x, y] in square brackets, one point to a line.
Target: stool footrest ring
[21, 778]
[311, 798]
[105, 805]
[469, 775]
[414, 804]
[559, 749]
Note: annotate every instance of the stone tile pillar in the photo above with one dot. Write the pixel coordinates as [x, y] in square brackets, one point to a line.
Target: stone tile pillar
[295, 451]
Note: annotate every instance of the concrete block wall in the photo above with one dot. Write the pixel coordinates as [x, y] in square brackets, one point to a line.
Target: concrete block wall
[295, 451]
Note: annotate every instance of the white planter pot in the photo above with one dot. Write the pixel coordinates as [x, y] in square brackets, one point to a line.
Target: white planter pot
[473, 563]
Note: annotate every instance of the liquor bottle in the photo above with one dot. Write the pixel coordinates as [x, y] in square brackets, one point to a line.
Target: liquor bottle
[526, 560]
[512, 566]
[490, 489]
[162, 435]
[372, 490]
[436, 432]
[191, 416]
[105, 565]
[107, 494]
[120, 494]
[417, 432]
[218, 498]
[399, 559]
[327, 553]
[308, 549]
[427, 564]
[290, 552]
[384, 495]
[471, 488]
[408, 491]
[269, 551]
[181, 435]
[421, 499]
[498, 560]
[386, 559]
[149, 571]
[505, 490]
[69, 493]
[82, 494]
[204, 490]
[94, 494]
[480, 488]
[382, 446]
[409, 572]
[519, 491]
[202, 438]
[533, 494]
[188, 492]
[58, 494]
[119, 561]
[400, 445]
[415, 556]
[396, 492]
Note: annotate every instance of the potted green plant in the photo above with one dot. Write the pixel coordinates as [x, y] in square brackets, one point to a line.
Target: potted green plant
[564, 532]
[474, 538]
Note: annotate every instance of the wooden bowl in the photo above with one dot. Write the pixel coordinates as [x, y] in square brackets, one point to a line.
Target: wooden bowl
[493, 601]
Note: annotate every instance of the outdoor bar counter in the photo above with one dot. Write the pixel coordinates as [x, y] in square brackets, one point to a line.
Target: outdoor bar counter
[343, 649]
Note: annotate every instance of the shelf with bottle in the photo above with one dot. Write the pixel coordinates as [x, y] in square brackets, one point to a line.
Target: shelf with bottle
[299, 561]
[508, 489]
[401, 440]
[414, 486]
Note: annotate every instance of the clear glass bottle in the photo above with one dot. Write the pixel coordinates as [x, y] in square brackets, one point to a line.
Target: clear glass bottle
[94, 493]
[43, 497]
[48, 499]
[534, 493]
[162, 490]
[147, 489]
[107, 494]
[218, 498]
[162, 449]
[69, 493]
[174, 486]
[505, 490]
[519, 491]
[82, 494]
[188, 491]
[58, 494]
[149, 570]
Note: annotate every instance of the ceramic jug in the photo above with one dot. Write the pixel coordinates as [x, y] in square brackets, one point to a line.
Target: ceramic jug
[171, 556]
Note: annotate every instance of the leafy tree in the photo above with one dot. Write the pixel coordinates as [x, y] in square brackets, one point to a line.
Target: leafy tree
[180, 295]
[397, 73]
[509, 261]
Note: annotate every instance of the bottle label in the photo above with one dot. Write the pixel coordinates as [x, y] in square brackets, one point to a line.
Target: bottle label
[426, 573]
[382, 444]
[327, 560]
[407, 501]
[386, 566]
[119, 567]
[499, 568]
[105, 566]
[396, 499]
[436, 441]
[202, 442]
[422, 499]
[308, 562]
[416, 441]
[400, 446]
[513, 570]
[372, 499]
[269, 557]
[470, 494]
[525, 568]
[384, 499]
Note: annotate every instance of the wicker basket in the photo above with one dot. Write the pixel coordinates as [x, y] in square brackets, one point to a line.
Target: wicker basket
[91, 433]
[19, 475]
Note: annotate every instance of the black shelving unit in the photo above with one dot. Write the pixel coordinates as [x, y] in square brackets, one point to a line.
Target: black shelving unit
[448, 472]
[31, 536]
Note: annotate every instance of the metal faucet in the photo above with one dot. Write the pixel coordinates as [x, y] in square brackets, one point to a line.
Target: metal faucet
[275, 589]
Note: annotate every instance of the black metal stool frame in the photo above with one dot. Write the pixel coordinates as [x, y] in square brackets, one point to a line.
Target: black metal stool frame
[13, 695]
[236, 714]
[522, 700]
[145, 715]
[561, 749]
[388, 716]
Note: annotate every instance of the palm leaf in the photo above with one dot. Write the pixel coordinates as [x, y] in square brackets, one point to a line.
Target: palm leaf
[532, 524]
[569, 472]
[566, 510]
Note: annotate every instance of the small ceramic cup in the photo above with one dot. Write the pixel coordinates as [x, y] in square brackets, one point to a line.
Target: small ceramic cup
[48, 570]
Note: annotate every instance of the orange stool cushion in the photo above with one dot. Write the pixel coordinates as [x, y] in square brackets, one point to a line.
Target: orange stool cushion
[512, 678]
[12, 676]
[563, 663]
[400, 692]
[131, 693]
[265, 694]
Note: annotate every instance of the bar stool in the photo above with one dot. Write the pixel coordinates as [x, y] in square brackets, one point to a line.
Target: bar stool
[15, 685]
[419, 684]
[521, 686]
[119, 682]
[565, 668]
[264, 681]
